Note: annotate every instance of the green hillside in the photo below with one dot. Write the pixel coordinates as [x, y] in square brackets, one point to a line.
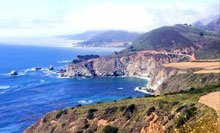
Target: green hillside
[210, 51]
[165, 38]
[174, 37]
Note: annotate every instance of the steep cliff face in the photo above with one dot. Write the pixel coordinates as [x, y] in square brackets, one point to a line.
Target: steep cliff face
[144, 64]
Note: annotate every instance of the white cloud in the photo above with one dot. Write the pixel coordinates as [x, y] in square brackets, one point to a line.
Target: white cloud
[139, 17]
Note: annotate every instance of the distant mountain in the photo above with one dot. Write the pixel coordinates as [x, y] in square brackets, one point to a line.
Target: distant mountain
[182, 38]
[82, 36]
[212, 25]
[112, 36]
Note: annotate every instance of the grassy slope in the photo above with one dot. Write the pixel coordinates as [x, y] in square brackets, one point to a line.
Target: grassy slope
[177, 112]
[180, 82]
[210, 51]
[161, 39]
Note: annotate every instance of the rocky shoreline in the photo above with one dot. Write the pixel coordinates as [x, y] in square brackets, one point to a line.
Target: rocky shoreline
[145, 64]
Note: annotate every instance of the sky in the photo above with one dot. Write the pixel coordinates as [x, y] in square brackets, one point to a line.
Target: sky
[34, 18]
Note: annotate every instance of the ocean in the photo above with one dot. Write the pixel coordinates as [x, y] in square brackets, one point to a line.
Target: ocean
[25, 98]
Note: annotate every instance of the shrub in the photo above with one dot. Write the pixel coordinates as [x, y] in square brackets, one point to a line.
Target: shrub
[180, 121]
[131, 108]
[92, 110]
[190, 112]
[99, 102]
[110, 129]
[79, 105]
[60, 112]
[44, 120]
[90, 116]
[90, 113]
[180, 108]
[150, 110]
[149, 95]
[122, 108]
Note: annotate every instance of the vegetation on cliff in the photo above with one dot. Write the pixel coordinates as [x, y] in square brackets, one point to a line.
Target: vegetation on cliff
[187, 81]
[167, 113]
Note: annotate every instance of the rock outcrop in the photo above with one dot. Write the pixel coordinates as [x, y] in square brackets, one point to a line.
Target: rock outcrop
[51, 68]
[144, 64]
[13, 73]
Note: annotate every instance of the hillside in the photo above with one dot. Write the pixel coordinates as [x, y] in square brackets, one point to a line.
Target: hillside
[179, 38]
[112, 36]
[169, 113]
[210, 51]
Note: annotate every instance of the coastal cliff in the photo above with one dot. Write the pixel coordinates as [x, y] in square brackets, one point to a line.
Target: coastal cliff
[144, 58]
[142, 64]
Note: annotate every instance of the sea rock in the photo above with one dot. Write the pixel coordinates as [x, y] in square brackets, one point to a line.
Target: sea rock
[13, 73]
[51, 68]
[38, 68]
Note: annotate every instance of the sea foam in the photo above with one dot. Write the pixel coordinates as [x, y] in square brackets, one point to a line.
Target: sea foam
[4, 87]
[64, 61]
[85, 102]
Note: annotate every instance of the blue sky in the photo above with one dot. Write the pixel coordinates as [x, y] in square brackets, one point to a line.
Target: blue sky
[54, 17]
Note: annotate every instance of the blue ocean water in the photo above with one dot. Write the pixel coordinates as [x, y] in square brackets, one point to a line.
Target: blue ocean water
[27, 97]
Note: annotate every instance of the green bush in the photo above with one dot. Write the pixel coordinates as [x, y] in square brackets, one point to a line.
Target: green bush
[90, 115]
[131, 108]
[180, 121]
[92, 110]
[122, 108]
[180, 108]
[190, 112]
[110, 129]
[60, 113]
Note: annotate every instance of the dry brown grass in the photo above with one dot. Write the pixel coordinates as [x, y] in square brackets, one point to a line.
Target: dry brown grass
[208, 71]
[208, 67]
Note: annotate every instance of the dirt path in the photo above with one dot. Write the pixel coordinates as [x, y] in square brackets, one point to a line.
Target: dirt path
[212, 100]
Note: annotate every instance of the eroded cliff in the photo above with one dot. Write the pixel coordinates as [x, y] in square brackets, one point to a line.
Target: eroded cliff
[144, 64]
